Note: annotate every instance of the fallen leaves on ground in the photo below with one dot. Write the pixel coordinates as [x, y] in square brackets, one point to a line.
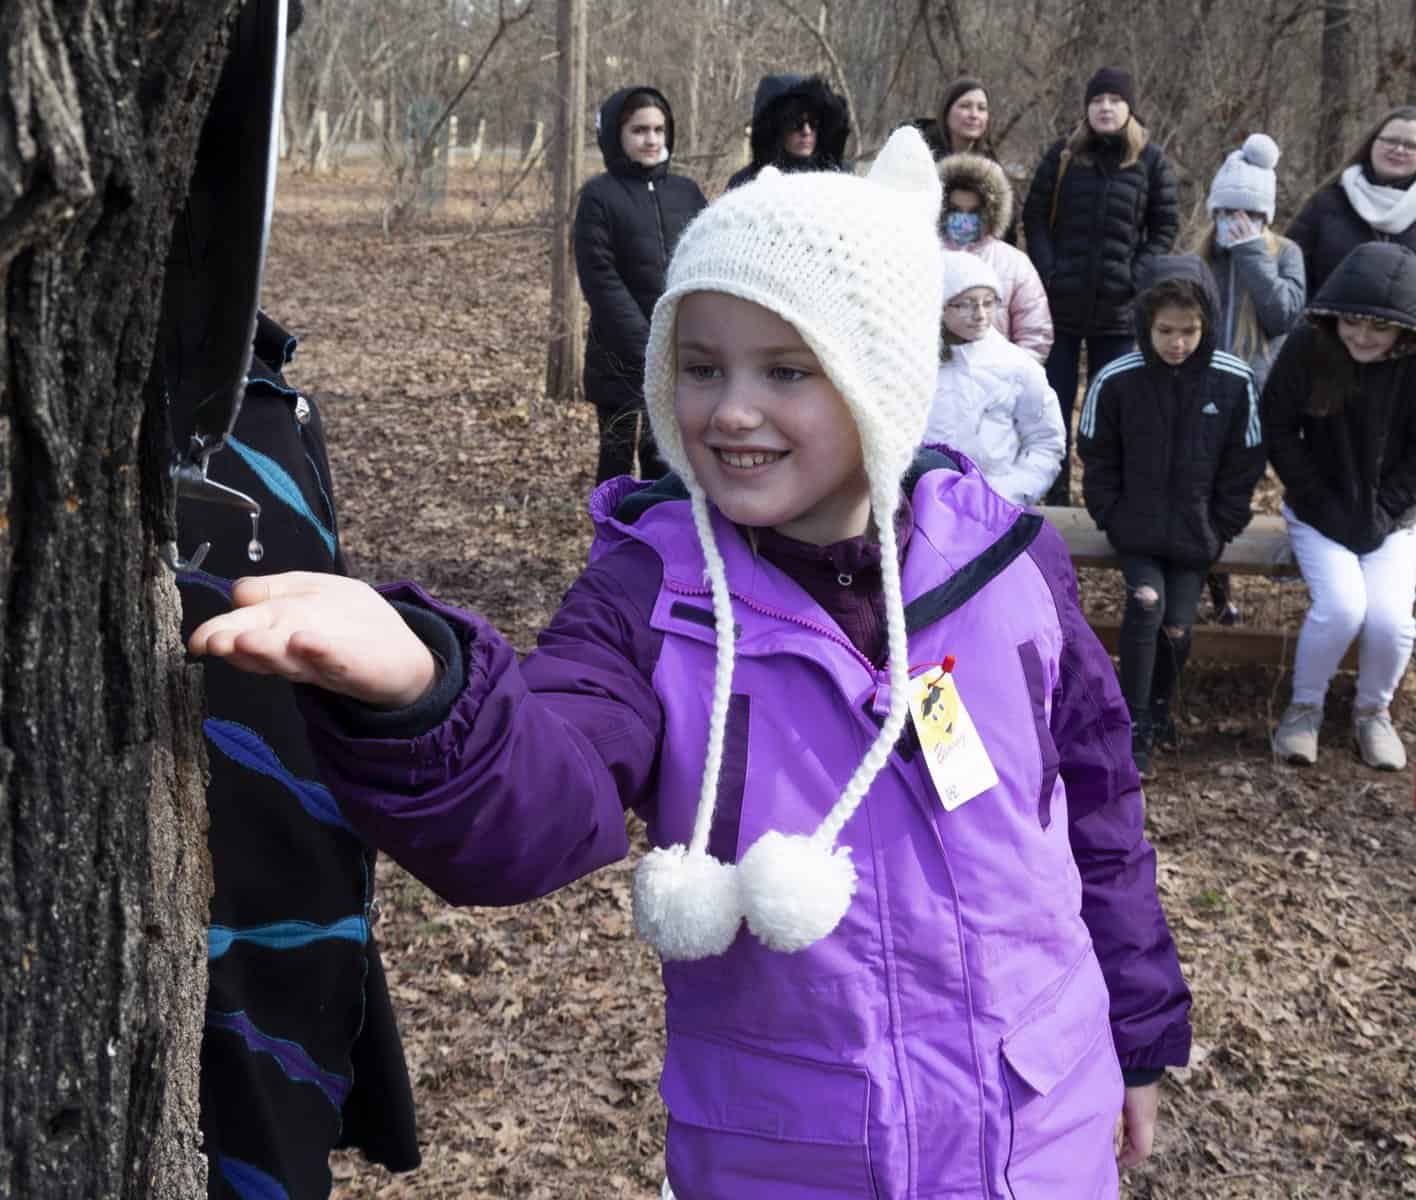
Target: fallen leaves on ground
[534, 1034]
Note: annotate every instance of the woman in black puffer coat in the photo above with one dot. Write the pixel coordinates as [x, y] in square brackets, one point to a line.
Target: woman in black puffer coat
[1101, 204]
[626, 226]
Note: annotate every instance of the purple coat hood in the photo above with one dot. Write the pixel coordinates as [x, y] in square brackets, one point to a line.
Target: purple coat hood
[958, 1035]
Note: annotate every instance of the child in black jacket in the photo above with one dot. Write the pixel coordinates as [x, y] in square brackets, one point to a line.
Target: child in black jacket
[1171, 450]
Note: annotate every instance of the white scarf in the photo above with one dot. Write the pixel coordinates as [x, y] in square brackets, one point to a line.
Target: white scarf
[1386, 209]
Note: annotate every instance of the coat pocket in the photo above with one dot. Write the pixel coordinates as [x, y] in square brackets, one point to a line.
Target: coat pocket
[1036, 680]
[1064, 1092]
[747, 1122]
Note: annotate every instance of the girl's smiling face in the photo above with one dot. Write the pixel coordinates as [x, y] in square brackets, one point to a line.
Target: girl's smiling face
[969, 315]
[767, 434]
[1366, 341]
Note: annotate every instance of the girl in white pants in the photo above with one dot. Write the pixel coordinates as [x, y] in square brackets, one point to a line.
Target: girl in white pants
[1339, 412]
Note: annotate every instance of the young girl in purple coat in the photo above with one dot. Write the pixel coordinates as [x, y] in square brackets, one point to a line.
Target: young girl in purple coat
[906, 909]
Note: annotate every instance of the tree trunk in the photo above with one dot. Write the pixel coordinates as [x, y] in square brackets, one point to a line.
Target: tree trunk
[103, 872]
[564, 351]
[1335, 87]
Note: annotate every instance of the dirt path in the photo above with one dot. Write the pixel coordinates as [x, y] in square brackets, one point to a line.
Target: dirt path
[534, 1034]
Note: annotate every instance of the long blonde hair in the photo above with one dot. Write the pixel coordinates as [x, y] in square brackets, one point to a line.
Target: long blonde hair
[1250, 340]
[1134, 137]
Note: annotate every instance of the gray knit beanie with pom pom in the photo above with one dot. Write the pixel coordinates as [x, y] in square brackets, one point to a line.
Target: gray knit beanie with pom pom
[1246, 180]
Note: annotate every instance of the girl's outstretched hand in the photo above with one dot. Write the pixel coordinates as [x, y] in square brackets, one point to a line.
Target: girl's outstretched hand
[1136, 1133]
[333, 632]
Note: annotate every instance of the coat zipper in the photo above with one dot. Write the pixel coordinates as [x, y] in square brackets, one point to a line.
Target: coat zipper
[792, 618]
[659, 223]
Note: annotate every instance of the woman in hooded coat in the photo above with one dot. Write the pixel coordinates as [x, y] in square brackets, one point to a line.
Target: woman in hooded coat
[627, 223]
[798, 124]
[978, 211]
[1341, 430]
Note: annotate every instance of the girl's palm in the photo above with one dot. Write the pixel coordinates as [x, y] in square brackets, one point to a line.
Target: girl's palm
[326, 630]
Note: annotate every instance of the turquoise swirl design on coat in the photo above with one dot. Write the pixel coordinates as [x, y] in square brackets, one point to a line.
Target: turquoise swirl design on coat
[292, 1057]
[249, 1182]
[285, 935]
[285, 489]
[245, 746]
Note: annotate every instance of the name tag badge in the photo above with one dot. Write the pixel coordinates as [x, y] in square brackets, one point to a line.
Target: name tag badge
[959, 766]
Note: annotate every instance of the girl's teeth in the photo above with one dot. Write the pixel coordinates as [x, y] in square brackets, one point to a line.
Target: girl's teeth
[747, 460]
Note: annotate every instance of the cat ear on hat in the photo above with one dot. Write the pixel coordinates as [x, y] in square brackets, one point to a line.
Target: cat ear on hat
[905, 165]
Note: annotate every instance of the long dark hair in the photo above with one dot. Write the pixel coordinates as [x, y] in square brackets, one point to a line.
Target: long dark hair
[1333, 370]
[1361, 156]
[956, 89]
[1330, 367]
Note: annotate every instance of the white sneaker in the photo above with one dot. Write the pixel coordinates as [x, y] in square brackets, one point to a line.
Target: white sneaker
[1378, 741]
[1296, 741]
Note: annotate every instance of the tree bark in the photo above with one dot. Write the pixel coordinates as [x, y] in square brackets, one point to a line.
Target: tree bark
[1335, 91]
[103, 872]
[564, 351]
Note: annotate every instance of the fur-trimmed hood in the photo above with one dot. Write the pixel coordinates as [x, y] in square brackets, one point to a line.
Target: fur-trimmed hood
[1377, 280]
[975, 173]
[777, 98]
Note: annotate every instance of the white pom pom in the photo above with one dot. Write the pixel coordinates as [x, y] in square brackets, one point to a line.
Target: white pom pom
[1260, 150]
[794, 890]
[686, 905]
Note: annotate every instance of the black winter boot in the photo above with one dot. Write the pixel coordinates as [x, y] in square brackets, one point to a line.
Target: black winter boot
[1141, 742]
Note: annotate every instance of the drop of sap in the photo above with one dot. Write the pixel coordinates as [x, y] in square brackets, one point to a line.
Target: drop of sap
[254, 550]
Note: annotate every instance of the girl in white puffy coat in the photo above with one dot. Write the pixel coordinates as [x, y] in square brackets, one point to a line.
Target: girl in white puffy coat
[991, 399]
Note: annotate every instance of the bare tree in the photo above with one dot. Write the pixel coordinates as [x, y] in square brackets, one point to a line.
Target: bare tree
[103, 873]
[563, 350]
[1336, 76]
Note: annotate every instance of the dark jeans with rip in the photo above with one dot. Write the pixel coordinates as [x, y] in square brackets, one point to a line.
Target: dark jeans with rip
[623, 432]
[1063, 364]
[1151, 660]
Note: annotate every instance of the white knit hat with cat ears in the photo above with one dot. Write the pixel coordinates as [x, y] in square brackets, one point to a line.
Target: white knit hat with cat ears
[854, 265]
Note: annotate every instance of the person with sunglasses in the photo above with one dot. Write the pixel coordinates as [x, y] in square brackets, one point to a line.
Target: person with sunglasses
[1341, 432]
[1368, 198]
[798, 124]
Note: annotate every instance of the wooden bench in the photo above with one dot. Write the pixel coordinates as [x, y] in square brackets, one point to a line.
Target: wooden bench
[1262, 549]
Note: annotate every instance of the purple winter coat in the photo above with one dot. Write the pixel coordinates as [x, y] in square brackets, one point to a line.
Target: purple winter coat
[955, 1036]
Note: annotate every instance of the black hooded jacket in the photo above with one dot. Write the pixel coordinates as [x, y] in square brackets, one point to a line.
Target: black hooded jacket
[627, 223]
[1091, 228]
[1350, 474]
[1171, 454]
[779, 100]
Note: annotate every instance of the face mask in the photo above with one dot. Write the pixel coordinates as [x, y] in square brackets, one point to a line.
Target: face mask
[1233, 229]
[961, 228]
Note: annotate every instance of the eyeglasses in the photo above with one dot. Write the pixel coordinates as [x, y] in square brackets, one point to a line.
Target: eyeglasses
[801, 123]
[1396, 143]
[1372, 323]
[973, 307]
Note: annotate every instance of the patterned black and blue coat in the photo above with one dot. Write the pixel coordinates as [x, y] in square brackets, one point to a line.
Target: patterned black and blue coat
[300, 1052]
